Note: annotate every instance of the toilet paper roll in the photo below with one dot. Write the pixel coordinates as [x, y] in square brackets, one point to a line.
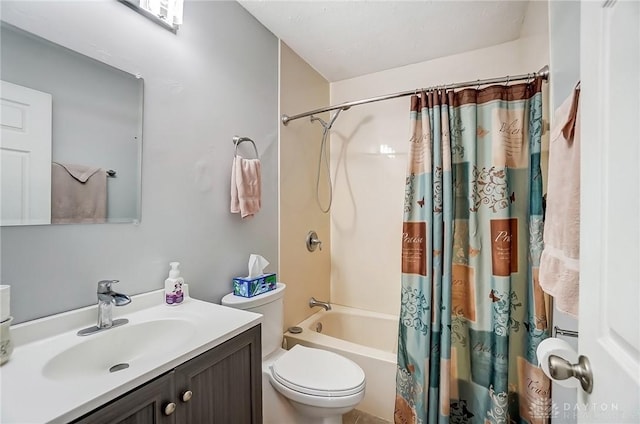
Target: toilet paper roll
[5, 305]
[554, 346]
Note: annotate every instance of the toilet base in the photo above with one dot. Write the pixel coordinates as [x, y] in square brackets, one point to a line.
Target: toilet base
[311, 414]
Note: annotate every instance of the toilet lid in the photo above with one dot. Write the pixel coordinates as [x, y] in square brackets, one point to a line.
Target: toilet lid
[318, 372]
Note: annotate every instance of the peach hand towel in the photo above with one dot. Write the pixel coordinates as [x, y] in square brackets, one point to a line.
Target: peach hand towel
[245, 186]
[560, 261]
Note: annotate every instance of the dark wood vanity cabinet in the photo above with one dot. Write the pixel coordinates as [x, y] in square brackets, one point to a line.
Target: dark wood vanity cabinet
[223, 385]
[143, 405]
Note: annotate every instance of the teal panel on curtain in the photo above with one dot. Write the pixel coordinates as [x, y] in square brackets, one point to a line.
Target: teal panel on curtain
[472, 311]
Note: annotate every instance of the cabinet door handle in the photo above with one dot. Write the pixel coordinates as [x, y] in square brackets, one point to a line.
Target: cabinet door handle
[186, 396]
[169, 408]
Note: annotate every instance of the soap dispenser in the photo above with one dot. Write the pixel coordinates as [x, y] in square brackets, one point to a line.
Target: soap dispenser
[173, 293]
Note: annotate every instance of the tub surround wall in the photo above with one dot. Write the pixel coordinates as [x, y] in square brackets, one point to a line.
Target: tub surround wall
[217, 77]
[305, 273]
[366, 219]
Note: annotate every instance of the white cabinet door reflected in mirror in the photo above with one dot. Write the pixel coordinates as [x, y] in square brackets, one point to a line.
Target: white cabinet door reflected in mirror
[95, 126]
[25, 155]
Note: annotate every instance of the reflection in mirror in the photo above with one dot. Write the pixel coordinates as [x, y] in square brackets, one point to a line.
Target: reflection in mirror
[71, 141]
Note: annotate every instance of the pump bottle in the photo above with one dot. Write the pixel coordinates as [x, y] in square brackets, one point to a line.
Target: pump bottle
[173, 293]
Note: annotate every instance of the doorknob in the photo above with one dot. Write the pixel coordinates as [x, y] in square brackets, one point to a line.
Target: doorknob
[561, 369]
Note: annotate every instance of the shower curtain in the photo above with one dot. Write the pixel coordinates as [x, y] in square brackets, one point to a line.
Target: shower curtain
[472, 312]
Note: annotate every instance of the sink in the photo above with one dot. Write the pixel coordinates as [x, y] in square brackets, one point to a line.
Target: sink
[117, 349]
[55, 376]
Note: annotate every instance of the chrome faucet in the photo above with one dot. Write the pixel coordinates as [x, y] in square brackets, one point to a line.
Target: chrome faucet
[106, 299]
[313, 302]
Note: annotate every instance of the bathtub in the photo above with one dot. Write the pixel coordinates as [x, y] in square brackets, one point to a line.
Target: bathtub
[370, 339]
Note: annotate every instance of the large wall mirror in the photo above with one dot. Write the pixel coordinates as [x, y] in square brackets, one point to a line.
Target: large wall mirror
[71, 142]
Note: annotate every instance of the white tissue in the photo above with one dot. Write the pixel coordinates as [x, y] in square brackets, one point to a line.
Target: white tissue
[557, 347]
[257, 264]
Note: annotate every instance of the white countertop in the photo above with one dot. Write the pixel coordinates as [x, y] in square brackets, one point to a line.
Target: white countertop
[29, 396]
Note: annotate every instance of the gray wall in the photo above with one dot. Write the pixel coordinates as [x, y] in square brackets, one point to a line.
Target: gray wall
[216, 78]
[564, 51]
[97, 111]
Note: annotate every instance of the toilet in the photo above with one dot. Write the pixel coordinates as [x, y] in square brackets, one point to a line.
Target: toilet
[303, 384]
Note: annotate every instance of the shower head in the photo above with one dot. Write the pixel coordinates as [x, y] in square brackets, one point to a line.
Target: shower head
[325, 125]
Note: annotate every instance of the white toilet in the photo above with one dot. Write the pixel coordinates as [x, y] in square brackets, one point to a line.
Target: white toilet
[320, 385]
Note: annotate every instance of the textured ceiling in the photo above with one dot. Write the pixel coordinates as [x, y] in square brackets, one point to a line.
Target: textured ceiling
[344, 39]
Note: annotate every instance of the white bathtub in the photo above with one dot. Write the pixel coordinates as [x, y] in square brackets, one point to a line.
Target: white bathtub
[367, 338]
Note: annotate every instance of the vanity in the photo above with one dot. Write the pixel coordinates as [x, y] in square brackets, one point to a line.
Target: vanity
[198, 362]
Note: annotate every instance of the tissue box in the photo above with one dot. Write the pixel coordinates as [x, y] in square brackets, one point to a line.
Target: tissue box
[249, 287]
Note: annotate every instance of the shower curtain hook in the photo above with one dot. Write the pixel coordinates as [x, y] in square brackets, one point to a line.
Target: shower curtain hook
[478, 86]
[506, 84]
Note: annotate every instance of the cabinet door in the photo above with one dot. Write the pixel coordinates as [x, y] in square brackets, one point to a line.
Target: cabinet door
[145, 405]
[225, 383]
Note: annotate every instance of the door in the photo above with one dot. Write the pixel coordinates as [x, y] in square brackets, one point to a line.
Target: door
[25, 156]
[609, 323]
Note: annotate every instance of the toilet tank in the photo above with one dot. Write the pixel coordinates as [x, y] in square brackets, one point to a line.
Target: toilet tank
[271, 306]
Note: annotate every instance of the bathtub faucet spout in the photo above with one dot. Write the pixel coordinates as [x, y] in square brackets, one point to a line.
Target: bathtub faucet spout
[313, 302]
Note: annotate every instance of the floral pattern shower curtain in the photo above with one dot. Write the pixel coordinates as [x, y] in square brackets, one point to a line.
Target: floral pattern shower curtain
[472, 312]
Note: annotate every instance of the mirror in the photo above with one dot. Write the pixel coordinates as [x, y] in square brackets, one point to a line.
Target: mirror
[71, 142]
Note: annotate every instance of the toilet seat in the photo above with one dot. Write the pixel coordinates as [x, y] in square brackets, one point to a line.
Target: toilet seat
[316, 372]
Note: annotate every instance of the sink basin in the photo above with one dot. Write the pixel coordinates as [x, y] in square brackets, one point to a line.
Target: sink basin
[118, 349]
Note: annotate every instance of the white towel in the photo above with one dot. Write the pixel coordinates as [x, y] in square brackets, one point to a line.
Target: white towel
[246, 190]
[560, 261]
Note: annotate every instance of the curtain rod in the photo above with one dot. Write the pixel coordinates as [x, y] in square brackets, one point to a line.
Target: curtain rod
[543, 73]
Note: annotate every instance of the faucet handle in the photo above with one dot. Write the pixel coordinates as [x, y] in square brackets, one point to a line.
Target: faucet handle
[104, 286]
[313, 241]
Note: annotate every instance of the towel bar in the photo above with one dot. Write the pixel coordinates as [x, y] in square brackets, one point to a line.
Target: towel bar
[557, 330]
[237, 140]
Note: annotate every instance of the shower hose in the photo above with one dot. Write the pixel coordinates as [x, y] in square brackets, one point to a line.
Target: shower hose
[324, 155]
